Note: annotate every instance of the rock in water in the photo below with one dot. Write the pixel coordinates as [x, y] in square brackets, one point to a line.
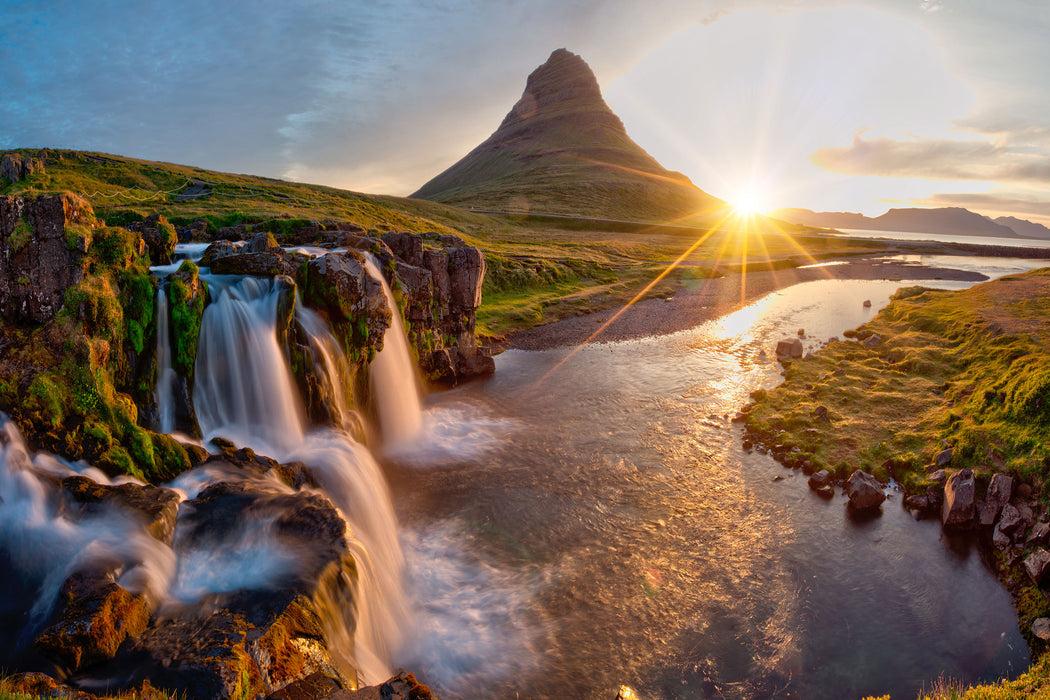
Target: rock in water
[789, 347]
[864, 491]
[959, 500]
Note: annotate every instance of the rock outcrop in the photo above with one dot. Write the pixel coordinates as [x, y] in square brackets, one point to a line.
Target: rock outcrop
[15, 166]
[43, 242]
[159, 235]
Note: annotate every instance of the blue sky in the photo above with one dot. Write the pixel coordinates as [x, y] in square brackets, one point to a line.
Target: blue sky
[825, 104]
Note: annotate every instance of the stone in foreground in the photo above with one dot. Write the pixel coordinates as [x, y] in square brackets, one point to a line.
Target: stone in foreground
[1036, 564]
[959, 506]
[864, 491]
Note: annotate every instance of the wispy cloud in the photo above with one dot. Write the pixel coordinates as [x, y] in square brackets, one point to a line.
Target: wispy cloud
[937, 159]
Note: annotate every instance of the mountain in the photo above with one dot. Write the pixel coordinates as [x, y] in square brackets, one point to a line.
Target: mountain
[952, 221]
[561, 150]
[1023, 227]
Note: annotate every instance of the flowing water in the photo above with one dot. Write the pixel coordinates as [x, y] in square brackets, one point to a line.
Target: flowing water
[580, 521]
[599, 524]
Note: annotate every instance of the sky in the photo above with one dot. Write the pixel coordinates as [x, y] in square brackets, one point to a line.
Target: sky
[831, 105]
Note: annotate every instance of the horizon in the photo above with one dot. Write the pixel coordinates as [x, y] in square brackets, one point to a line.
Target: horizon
[828, 105]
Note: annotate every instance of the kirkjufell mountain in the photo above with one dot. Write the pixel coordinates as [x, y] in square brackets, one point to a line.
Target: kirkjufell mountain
[561, 150]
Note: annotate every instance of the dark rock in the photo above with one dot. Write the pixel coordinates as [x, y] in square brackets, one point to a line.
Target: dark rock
[15, 166]
[316, 686]
[263, 242]
[940, 476]
[340, 286]
[1000, 489]
[159, 235]
[821, 414]
[826, 492]
[867, 304]
[943, 458]
[821, 478]
[406, 246]
[403, 686]
[920, 503]
[157, 507]
[959, 506]
[1010, 522]
[789, 347]
[864, 491]
[873, 340]
[264, 264]
[1039, 534]
[95, 616]
[42, 247]
[247, 642]
[197, 454]
[935, 496]
[1041, 628]
[1036, 564]
[1024, 491]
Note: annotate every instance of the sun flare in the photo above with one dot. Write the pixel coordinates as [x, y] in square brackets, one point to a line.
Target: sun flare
[747, 203]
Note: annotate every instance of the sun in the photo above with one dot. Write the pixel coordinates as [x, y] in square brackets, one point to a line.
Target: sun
[747, 202]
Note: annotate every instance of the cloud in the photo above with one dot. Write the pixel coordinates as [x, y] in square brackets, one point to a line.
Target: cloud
[936, 159]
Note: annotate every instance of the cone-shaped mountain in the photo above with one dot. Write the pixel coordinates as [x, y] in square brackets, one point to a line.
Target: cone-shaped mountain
[561, 150]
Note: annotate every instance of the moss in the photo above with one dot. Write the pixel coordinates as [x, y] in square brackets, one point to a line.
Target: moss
[78, 235]
[46, 398]
[170, 458]
[21, 236]
[187, 310]
[114, 247]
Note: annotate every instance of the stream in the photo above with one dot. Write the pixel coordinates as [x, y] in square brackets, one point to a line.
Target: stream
[586, 520]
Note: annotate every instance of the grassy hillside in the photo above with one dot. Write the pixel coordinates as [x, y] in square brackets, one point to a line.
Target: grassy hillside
[540, 268]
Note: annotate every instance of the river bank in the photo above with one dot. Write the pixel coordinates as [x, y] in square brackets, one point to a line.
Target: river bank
[703, 300]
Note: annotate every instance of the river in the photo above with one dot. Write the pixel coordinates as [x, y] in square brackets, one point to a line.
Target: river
[586, 520]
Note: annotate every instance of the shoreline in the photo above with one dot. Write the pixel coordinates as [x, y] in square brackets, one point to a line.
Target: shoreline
[698, 301]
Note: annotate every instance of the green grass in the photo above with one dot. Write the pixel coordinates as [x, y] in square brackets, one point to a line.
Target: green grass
[970, 367]
[599, 264]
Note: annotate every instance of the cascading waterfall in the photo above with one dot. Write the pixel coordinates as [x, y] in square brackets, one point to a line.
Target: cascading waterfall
[244, 392]
[393, 377]
[335, 369]
[166, 375]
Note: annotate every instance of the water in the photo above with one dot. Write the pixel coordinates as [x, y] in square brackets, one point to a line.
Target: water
[610, 530]
[946, 238]
[166, 375]
[393, 377]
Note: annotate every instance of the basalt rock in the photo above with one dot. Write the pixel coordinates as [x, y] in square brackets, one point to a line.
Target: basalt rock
[959, 500]
[159, 235]
[16, 166]
[43, 242]
[95, 616]
[248, 642]
[156, 507]
[864, 491]
[440, 279]
[340, 287]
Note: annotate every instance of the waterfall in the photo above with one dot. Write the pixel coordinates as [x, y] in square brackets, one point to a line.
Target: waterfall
[335, 370]
[166, 375]
[245, 392]
[242, 389]
[393, 377]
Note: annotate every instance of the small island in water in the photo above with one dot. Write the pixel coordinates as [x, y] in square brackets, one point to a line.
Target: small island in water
[561, 424]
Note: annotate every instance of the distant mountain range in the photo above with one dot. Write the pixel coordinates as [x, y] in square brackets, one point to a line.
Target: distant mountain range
[953, 221]
[561, 150]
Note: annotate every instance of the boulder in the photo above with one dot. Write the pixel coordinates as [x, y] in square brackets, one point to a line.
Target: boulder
[1036, 564]
[821, 413]
[917, 502]
[820, 479]
[1039, 534]
[1000, 489]
[94, 617]
[156, 507]
[245, 642]
[864, 491]
[268, 263]
[1041, 628]
[789, 347]
[943, 458]
[959, 500]
[466, 272]
[1010, 522]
